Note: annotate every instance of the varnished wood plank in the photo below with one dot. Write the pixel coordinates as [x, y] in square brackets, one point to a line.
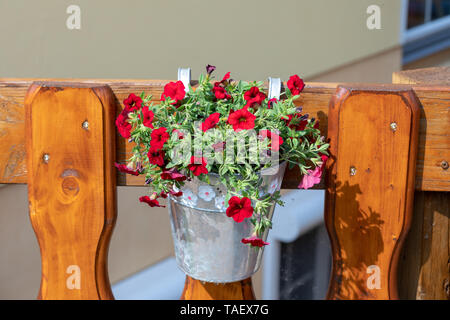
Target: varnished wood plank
[434, 143]
[198, 290]
[370, 186]
[424, 267]
[71, 185]
[429, 76]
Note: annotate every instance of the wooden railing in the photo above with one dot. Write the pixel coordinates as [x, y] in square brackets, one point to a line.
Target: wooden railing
[388, 141]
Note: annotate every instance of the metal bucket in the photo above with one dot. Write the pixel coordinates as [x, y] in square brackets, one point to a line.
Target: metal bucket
[208, 243]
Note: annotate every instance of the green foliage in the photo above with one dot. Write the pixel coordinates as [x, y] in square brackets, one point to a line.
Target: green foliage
[300, 148]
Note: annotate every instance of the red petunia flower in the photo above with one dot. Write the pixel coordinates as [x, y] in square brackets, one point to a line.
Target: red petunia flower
[159, 137]
[210, 122]
[148, 117]
[132, 103]
[296, 122]
[220, 92]
[156, 156]
[254, 241]
[239, 209]
[172, 174]
[271, 102]
[242, 119]
[176, 194]
[254, 96]
[175, 91]
[122, 124]
[273, 137]
[226, 77]
[150, 202]
[198, 166]
[295, 84]
[123, 168]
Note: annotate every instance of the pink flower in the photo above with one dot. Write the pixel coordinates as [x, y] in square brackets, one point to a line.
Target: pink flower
[254, 241]
[313, 176]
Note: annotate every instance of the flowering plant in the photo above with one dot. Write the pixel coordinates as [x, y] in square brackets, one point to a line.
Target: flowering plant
[192, 132]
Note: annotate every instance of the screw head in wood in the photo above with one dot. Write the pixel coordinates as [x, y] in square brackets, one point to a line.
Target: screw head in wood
[352, 171]
[393, 126]
[85, 125]
[444, 165]
[46, 157]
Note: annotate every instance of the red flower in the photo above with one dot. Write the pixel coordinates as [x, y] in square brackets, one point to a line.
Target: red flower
[254, 241]
[150, 202]
[242, 119]
[172, 174]
[295, 84]
[148, 117]
[175, 91]
[180, 134]
[271, 102]
[198, 166]
[296, 122]
[210, 122]
[176, 194]
[239, 209]
[123, 168]
[273, 137]
[159, 137]
[132, 103]
[122, 124]
[254, 96]
[220, 92]
[156, 156]
[226, 77]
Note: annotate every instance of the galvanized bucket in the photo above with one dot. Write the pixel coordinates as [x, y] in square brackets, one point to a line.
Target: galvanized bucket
[208, 243]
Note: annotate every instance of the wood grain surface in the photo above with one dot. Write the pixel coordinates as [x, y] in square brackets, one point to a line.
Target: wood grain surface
[198, 290]
[370, 188]
[434, 143]
[425, 260]
[72, 185]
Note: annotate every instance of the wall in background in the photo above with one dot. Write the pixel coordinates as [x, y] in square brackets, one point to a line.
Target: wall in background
[149, 39]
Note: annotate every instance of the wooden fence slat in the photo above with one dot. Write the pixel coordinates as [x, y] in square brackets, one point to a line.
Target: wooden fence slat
[370, 186]
[71, 183]
[434, 144]
[424, 266]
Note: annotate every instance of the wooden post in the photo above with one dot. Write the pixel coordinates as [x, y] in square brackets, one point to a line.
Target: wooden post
[70, 143]
[425, 260]
[370, 185]
[198, 290]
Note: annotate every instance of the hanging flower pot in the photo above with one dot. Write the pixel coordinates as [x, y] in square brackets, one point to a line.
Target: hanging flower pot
[208, 243]
[218, 153]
